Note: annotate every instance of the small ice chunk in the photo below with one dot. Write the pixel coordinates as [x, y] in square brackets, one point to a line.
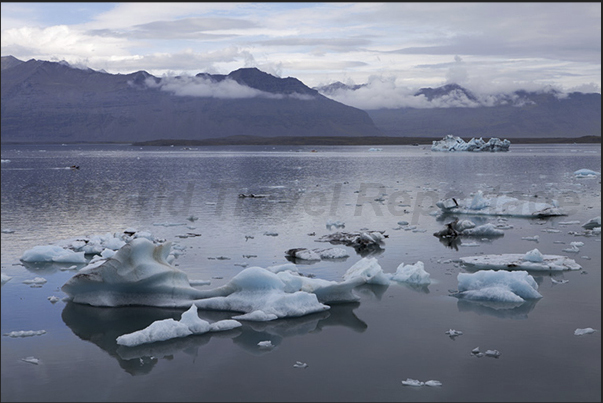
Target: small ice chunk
[412, 273]
[265, 344]
[299, 364]
[581, 332]
[493, 353]
[453, 333]
[31, 360]
[433, 383]
[53, 299]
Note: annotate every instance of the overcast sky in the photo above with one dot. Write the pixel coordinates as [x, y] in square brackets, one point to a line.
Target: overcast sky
[397, 47]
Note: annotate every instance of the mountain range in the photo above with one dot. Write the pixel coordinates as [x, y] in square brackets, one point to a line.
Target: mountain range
[54, 102]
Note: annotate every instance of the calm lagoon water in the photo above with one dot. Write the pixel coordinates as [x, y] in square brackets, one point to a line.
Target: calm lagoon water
[355, 352]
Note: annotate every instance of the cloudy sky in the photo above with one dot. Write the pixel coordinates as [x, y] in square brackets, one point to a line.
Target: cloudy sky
[395, 47]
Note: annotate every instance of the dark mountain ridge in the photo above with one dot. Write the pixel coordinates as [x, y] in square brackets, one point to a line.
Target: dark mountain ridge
[520, 114]
[54, 102]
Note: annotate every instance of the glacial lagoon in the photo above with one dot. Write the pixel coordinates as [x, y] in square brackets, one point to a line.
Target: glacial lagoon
[398, 341]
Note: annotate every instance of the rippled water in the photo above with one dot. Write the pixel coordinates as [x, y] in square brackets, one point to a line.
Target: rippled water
[354, 352]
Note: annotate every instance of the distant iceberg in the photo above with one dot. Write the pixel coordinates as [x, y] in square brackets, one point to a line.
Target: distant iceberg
[532, 260]
[499, 206]
[455, 143]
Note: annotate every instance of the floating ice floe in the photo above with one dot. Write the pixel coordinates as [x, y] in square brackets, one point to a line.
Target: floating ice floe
[25, 333]
[574, 247]
[532, 260]
[497, 286]
[455, 143]
[35, 281]
[582, 332]
[265, 344]
[166, 329]
[52, 253]
[415, 382]
[316, 254]
[586, 173]
[499, 206]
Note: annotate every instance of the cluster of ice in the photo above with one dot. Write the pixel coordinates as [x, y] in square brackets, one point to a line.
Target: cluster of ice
[455, 143]
[317, 254]
[138, 274]
[497, 286]
[586, 173]
[532, 260]
[166, 329]
[499, 206]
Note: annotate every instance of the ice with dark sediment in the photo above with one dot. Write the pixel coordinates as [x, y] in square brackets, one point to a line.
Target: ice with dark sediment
[502, 205]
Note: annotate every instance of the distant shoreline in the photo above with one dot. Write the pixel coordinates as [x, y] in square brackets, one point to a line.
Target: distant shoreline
[326, 141]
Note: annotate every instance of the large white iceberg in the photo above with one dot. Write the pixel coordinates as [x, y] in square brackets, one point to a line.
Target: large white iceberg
[138, 274]
[499, 206]
[455, 143]
[532, 260]
[497, 286]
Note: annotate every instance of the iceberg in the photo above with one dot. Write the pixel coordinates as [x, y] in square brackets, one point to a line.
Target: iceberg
[497, 286]
[532, 260]
[455, 143]
[138, 274]
[499, 206]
